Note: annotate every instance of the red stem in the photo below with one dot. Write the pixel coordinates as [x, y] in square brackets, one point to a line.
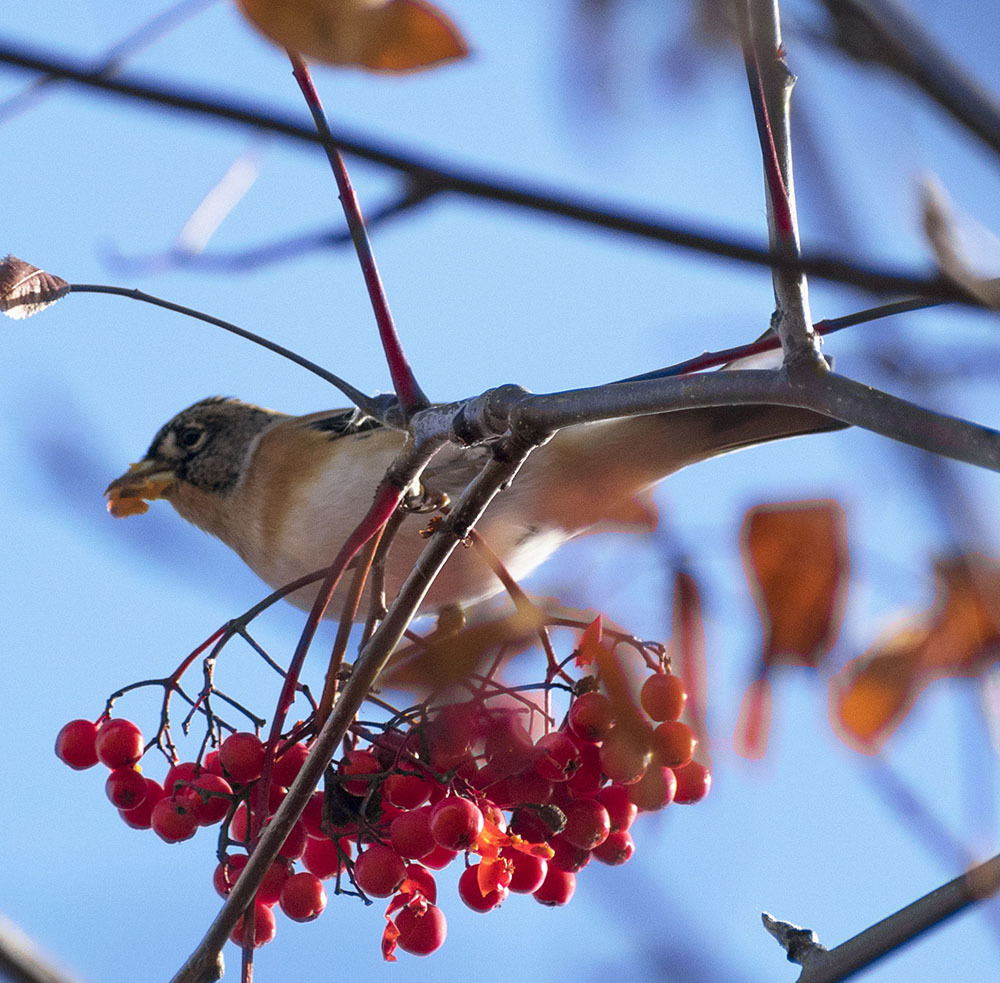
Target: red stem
[404, 382]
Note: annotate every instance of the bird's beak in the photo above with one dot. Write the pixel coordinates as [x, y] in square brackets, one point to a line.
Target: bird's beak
[145, 481]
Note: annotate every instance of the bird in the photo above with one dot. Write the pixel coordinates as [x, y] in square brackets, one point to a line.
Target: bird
[284, 492]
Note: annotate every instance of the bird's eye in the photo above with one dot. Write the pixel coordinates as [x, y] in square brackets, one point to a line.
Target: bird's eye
[190, 437]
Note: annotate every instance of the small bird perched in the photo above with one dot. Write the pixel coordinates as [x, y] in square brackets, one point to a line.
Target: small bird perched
[285, 492]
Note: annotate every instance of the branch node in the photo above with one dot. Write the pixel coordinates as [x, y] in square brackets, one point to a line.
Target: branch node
[799, 943]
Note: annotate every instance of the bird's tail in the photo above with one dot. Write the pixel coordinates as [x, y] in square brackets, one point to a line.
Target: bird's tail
[609, 465]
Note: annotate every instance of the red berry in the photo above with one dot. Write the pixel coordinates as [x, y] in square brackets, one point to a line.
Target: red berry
[673, 743]
[566, 856]
[470, 892]
[118, 743]
[273, 881]
[450, 734]
[410, 834]
[407, 791]
[211, 798]
[557, 757]
[322, 857]
[213, 764]
[379, 870]
[455, 823]
[439, 858]
[588, 778]
[422, 929]
[663, 696]
[287, 767]
[616, 849]
[264, 926]
[529, 870]
[75, 744]
[655, 790]
[587, 823]
[173, 819]
[591, 716]
[141, 816]
[621, 809]
[228, 872]
[242, 756]
[693, 782]
[527, 787]
[420, 879]
[360, 763]
[623, 759]
[126, 788]
[557, 888]
[180, 776]
[508, 746]
[295, 842]
[303, 897]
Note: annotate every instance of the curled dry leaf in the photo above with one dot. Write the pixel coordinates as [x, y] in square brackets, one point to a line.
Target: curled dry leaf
[796, 562]
[26, 290]
[959, 635]
[380, 35]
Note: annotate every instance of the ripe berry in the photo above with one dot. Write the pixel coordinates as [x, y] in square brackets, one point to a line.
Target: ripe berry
[529, 870]
[566, 856]
[588, 778]
[450, 734]
[527, 787]
[508, 746]
[693, 782]
[623, 759]
[360, 763]
[591, 716]
[587, 823]
[242, 756]
[141, 816]
[616, 849]
[180, 776]
[75, 744]
[303, 897]
[322, 857]
[407, 791]
[126, 788]
[264, 926]
[557, 888]
[211, 797]
[173, 819]
[655, 790]
[439, 858]
[410, 833]
[621, 809]
[557, 757]
[273, 881]
[287, 767]
[663, 696]
[455, 823]
[227, 873]
[674, 743]
[470, 892]
[379, 870]
[118, 743]
[422, 929]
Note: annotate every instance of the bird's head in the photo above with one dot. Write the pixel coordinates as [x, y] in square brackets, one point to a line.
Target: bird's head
[203, 451]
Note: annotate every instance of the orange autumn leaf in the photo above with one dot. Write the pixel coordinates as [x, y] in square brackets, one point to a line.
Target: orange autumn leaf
[493, 873]
[586, 654]
[754, 723]
[380, 35]
[958, 635]
[795, 557]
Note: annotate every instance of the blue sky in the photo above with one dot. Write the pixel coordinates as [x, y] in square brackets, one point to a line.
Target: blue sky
[482, 295]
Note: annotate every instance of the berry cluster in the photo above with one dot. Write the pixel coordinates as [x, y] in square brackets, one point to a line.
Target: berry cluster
[466, 779]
